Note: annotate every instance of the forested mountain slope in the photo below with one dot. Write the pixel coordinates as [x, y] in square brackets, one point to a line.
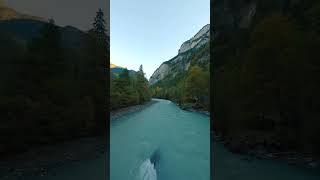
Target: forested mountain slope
[185, 78]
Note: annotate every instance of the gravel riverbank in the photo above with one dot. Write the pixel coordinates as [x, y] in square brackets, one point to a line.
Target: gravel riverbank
[39, 160]
[259, 151]
[125, 111]
[191, 108]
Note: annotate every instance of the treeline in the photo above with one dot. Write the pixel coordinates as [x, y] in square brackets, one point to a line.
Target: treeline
[128, 89]
[267, 82]
[51, 93]
[189, 89]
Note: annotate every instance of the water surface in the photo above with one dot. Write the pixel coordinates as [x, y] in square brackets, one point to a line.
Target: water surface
[182, 138]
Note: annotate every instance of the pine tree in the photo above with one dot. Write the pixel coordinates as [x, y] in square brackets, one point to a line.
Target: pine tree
[141, 70]
[100, 28]
[142, 86]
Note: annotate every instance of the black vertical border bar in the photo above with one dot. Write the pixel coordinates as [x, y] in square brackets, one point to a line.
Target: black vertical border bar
[211, 89]
[107, 114]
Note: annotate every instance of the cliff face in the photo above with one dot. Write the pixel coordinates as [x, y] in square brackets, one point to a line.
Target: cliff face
[230, 15]
[182, 61]
[234, 15]
[197, 41]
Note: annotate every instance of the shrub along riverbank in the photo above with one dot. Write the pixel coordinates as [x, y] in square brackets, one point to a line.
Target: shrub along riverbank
[190, 90]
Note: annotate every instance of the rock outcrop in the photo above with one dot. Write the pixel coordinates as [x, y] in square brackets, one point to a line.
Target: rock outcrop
[198, 40]
[182, 61]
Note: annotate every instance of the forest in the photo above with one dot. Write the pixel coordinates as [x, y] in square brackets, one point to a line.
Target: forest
[266, 88]
[191, 88]
[128, 89]
[53, 85]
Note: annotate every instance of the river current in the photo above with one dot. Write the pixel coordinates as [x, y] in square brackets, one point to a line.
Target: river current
[180, 138]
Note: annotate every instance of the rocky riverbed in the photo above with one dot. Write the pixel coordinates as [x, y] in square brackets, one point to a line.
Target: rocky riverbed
[264, 147]
[125, 111]
[39, 160]
[193, 108]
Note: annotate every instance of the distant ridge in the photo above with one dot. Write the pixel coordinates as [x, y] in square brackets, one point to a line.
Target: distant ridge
[115, 66]
[7, 14]
[116, 70]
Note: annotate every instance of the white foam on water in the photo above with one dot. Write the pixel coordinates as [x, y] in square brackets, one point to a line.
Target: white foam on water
[147, 171]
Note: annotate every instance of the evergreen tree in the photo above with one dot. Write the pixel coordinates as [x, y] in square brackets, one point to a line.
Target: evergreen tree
[99, 29]
[141, 70]
[124, 79]
[142, 86]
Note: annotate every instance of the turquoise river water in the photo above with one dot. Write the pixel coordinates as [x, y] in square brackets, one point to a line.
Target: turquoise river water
[181, 138]
[181, 141]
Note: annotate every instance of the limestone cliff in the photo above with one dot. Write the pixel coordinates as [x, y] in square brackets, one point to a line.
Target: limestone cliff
[182, 61]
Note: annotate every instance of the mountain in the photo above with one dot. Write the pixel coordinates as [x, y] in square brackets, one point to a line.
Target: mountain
[27, 29]
[185, 78]
[19, 33]
[196, 46]
[114, 66]
[23, 27]
[201, 38]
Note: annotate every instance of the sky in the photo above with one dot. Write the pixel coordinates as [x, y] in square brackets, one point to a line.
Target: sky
[77, 13]
[149, 32]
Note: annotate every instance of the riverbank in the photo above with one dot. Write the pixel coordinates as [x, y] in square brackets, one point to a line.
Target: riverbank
[201, 111]
[259, 151]
[39, 161]
[131, 109]
[193, 108]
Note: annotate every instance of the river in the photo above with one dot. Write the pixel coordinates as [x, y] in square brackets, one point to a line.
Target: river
[182, 139]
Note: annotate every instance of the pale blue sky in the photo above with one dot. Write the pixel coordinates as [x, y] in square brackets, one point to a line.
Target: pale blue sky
[149, 32]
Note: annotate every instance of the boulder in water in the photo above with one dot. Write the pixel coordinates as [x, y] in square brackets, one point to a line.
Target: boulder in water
[155, 157]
